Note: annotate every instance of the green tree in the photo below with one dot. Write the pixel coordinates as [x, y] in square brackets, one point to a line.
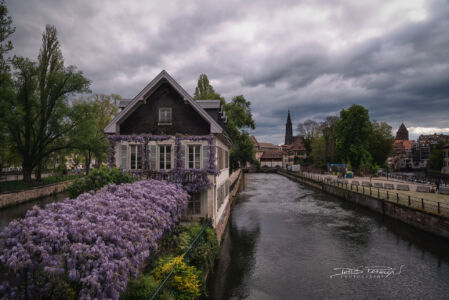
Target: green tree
[436, 158]
[38, 115]
[240, 119]
[353, 132]
[6, 30]
[318, 153]
[380, 142]
[205, 91]
[88, 139]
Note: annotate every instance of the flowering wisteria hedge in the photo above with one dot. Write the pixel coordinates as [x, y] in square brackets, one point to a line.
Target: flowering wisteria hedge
[94, 243]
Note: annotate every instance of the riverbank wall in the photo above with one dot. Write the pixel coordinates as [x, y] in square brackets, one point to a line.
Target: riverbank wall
[14, 198]
[235, 179]
[429, 222]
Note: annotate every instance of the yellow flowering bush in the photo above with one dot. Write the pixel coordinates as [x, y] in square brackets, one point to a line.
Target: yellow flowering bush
[184, 283]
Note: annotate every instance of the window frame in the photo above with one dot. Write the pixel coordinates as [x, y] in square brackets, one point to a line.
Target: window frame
[137, 153]
[165, 157]
[187, 158]
[161, 112]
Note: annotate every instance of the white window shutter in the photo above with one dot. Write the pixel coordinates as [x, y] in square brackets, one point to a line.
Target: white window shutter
[206, 153]
[124, 156]
[153, 157]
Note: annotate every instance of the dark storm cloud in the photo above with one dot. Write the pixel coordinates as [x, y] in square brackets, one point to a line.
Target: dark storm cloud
[312, 57]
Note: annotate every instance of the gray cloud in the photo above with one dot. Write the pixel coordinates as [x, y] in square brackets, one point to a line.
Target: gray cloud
[312, 57]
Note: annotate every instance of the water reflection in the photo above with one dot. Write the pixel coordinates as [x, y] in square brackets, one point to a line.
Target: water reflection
[284, 241]
[18, 211]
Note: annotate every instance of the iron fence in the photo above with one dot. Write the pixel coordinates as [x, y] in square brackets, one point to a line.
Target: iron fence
[438, 207]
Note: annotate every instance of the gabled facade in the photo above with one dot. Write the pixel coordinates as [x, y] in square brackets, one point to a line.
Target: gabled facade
[163, 133]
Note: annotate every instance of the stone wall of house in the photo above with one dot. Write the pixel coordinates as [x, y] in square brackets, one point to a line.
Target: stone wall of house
[429, 222]
[9, 199]
[222, 223]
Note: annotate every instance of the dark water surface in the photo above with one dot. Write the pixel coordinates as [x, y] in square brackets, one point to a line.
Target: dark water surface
[18, 211]
[284, 241]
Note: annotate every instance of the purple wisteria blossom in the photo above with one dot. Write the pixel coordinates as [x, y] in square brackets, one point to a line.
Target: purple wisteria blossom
[97, 241]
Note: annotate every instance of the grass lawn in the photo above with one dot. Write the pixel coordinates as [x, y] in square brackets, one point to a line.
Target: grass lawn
[18, 185]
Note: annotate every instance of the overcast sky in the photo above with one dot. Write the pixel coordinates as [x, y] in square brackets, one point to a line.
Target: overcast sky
[312, 57]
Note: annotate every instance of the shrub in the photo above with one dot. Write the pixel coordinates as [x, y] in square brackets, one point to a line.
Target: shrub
[96, 241]
[96, 179]
[184, 283]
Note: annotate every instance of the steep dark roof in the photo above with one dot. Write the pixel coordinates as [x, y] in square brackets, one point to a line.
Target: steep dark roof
[139, 99]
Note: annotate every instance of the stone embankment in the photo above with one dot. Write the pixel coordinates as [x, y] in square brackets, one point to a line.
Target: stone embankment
[14, 198]
[433, 222]
[235, 179]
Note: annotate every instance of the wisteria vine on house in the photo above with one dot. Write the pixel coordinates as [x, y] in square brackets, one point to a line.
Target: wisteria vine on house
[193, 180]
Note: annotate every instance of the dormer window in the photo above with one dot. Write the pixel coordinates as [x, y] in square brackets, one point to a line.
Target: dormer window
[165, 116]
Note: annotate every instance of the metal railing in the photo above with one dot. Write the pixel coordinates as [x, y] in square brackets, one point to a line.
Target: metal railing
[440, 208]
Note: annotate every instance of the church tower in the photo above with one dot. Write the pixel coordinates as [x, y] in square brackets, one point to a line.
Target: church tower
[402, 133]
[288, 130]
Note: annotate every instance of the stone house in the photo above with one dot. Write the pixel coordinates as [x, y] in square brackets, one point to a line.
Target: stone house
[163, 133]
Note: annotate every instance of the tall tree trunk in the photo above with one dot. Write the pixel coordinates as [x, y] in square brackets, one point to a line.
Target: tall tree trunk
[88, 160]
[26, 171]
[39, 173]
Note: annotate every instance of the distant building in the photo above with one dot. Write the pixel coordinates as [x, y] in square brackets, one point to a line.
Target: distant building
[294, 151]
[445, 168]
[402, 150]
[411, 155]
[294, 145]
[289, 137]
[271, 159]
[402, 133]
[267, 153]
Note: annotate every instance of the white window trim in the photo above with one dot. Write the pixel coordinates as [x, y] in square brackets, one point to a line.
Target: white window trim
[186, 155]
[158, 154]
[129, 156]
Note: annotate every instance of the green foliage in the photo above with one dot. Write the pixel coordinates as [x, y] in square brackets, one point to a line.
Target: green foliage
[201, 260]
[318, 154]
[436, 158]
[6, 88]
[240, 119]
[380, 144]
[37, 112]
[203, 255]
[6, 30]
[97, 179]
[353, 132]
[205, 91]
[142, 288]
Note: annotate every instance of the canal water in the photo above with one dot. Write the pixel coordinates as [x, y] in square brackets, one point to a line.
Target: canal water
[18, 211]
[287, 241]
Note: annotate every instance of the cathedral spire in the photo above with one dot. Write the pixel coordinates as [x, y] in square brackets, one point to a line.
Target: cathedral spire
[288, 130]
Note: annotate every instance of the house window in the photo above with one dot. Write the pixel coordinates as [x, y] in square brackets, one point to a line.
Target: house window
[194, 156]
[165, 115]
[226, 159]
[135, 157]
[194, 204]
[165, 157]
[220, 158]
